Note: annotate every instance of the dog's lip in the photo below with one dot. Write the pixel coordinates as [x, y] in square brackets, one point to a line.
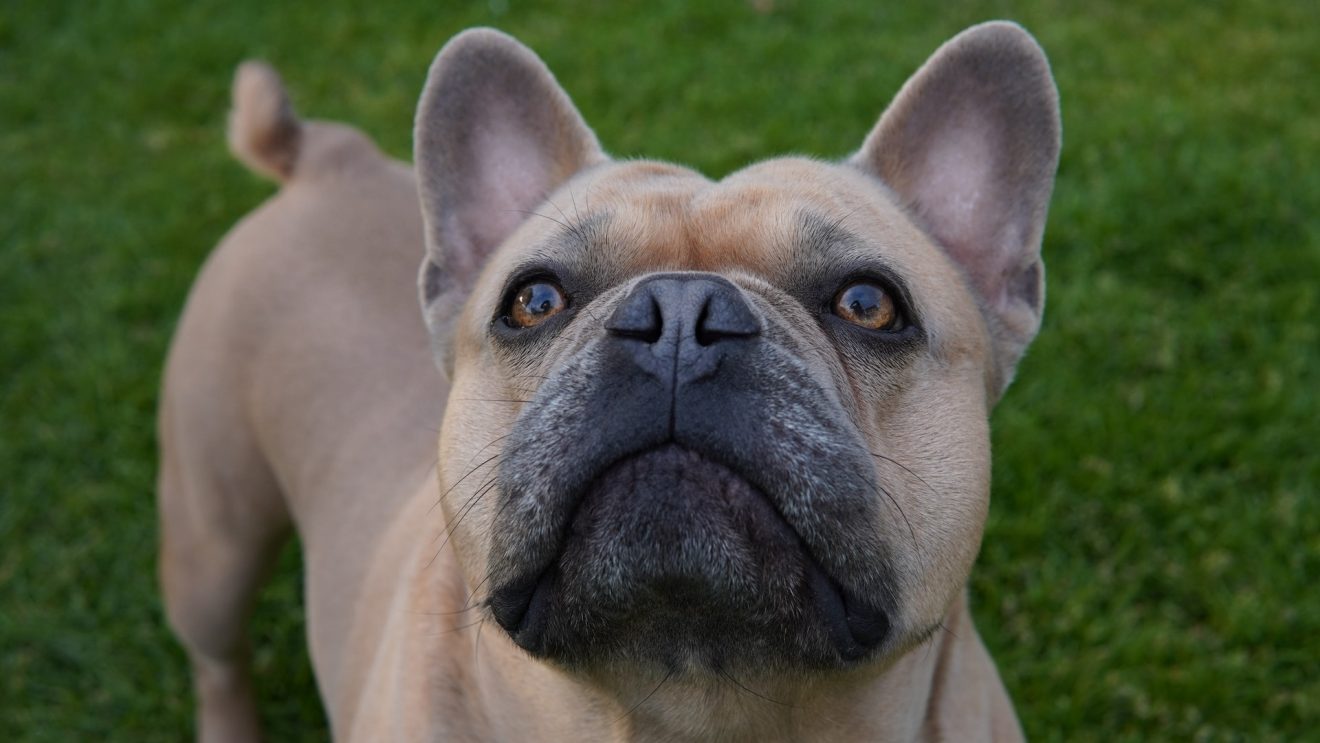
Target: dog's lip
[855, 629]
[522, 606]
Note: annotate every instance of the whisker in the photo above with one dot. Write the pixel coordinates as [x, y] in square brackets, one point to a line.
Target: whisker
[945, 627]
[492, 442]
[577, 216]
[529, 375]
[577, 230]
[527, 213]
[740, 685]
[463, 511]
[904, 467]
[930, 635]
[460, 627]
[929, 642]
[475, 590]
[442, 613]
[460, 481]
[468, 504]
[644, 699]
[838, 223]
[913, 532]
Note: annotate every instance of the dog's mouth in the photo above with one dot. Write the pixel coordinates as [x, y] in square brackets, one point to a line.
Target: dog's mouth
[673, 557]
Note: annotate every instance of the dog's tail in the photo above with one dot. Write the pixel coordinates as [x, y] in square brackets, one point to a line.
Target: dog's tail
[264, 131]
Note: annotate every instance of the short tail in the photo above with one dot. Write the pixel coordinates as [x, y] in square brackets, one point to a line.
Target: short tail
[264, 131]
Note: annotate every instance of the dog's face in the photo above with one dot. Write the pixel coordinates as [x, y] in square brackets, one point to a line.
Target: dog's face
[701, 425]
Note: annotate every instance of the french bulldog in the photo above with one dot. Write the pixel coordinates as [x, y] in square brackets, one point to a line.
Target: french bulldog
[713, 458]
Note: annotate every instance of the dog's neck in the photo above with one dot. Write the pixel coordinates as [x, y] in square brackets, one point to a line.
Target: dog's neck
[448, 670]
[894, 703]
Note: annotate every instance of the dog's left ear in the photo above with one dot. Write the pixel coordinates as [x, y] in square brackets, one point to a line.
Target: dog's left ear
[495, 135]
[970, 146]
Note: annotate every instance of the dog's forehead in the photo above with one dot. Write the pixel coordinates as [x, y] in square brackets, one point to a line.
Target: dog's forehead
[645, 216]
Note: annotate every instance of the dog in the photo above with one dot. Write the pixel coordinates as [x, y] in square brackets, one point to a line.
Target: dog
[713, 459]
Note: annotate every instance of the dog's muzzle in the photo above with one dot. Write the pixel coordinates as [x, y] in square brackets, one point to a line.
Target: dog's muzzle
[697, 499]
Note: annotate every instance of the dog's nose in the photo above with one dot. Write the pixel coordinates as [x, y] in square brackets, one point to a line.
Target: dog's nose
[679, 325]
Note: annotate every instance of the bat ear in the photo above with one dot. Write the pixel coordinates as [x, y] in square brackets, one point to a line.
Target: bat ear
[495, 135]
[970, 146]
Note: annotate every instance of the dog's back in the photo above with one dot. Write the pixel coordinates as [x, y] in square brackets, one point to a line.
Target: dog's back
[307, 300]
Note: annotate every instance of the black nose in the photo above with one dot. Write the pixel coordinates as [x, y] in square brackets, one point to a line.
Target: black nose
[678, 326]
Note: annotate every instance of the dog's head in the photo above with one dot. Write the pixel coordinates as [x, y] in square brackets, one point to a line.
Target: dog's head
[703, 424]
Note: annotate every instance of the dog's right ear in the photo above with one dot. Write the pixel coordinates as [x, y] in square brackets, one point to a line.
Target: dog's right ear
[495, 135]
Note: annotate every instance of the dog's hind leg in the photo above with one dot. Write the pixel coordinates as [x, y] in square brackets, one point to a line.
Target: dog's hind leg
[222, 523]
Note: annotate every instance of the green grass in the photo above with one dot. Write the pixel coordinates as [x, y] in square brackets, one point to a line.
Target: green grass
[1150, 563]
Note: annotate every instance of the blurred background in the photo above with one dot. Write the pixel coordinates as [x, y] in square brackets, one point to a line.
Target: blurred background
[1149, 568]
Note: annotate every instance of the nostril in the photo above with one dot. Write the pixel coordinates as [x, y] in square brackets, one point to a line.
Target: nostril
[639, 318]
[705, 336]
[725, 315]
[652, 332]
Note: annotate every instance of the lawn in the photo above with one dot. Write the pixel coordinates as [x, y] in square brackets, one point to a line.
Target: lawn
[1149, 567]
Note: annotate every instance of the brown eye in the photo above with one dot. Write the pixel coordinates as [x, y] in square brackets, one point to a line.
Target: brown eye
[535, 302]
[867, 304]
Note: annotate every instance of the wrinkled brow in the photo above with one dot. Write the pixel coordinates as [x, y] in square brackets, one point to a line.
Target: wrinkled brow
[818, 235]
[577, 237]
[826, 251]
[820, 247]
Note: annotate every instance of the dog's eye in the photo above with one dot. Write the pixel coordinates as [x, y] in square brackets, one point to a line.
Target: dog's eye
[534, 303]
[867, 304]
